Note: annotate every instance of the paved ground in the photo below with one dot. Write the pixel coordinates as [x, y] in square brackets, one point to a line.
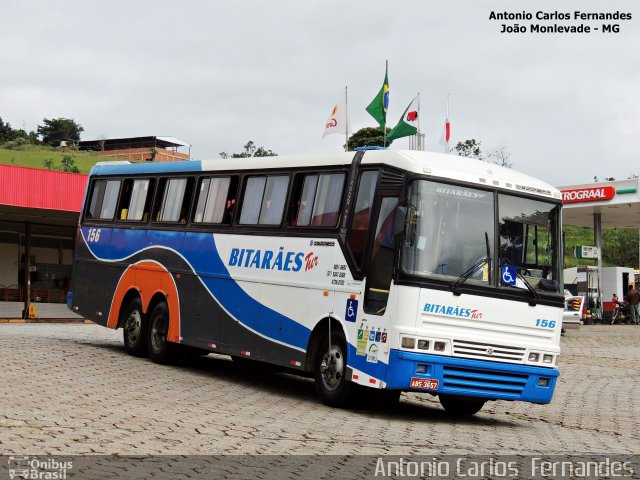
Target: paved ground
[13, 310]
[71, 389]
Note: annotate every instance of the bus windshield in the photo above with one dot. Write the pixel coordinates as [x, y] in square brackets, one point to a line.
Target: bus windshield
[529, 230]
[450, 229]
[451, 232]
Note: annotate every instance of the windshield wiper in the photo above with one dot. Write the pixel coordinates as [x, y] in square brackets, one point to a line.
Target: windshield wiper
[455, 286]
[532, 291]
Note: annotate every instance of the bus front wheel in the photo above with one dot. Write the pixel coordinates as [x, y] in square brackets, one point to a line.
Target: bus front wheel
[160, 349]
[460, 406]
[134, 329]
[331, 383]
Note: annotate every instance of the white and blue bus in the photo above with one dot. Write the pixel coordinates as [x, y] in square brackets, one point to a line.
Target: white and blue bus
[376, 271]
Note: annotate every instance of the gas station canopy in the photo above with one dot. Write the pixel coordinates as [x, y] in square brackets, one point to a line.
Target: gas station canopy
[614, 204]
[617, 202]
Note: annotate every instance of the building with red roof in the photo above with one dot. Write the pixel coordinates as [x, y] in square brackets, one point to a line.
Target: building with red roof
[39, 211]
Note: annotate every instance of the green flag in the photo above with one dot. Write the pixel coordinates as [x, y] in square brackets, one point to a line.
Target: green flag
[408, 124]
[378, 107]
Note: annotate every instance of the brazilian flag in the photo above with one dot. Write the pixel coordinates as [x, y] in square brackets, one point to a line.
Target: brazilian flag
[378, 107]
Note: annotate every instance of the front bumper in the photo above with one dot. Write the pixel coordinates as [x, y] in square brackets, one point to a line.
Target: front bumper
[472, 378]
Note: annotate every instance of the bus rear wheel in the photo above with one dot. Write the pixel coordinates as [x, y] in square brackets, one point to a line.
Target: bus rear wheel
[160, 349]
[134, 329]
[331, 383]
[460, 406]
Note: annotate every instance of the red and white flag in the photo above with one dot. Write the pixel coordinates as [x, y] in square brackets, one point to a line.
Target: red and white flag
[446, 131]
[338, 121]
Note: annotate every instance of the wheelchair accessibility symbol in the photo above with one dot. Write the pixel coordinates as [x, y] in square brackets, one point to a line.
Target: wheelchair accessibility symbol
[508, 275]
[352, 310]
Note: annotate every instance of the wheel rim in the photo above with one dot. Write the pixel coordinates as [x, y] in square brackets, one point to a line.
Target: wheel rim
[133, 326]
[158, 333]
[332, 368]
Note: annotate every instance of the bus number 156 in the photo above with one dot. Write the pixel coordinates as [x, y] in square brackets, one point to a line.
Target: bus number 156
[94, 235]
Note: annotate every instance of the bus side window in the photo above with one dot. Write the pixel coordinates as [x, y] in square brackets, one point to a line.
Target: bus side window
[264, 199]
[135, 200]
[104, 198]
[173, 200]
[275, 196]
[317, 203]
[216, 200]
[357, 238]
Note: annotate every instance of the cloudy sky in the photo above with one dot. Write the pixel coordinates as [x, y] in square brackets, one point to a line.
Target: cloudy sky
[218, 73]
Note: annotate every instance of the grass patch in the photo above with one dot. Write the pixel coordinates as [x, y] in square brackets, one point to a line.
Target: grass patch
[35, 156]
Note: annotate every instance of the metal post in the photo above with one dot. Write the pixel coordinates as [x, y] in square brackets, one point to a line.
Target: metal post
[27, 270]
[346, 120]
[597, 236]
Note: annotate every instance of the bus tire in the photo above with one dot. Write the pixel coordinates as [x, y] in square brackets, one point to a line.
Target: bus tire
[160, 349]
[134, 329]
[459, 406]
[331, 383]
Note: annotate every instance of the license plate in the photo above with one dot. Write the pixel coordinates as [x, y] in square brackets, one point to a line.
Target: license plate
[424, 383]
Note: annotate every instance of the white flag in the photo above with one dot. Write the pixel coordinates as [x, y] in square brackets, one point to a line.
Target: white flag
[338, 121]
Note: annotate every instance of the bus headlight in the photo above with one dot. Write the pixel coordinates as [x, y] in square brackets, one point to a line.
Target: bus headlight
[547, 358]
[408, 342]
[439, 346]
[534, 357]
[423, 344]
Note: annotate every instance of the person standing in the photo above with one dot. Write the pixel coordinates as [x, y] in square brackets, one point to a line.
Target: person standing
[633, 298]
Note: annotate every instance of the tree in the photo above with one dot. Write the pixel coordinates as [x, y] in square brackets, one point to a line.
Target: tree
[5, 131]
[250, 150]
[620, 247]
[500, 156]
[368, 137]
[57, 130]
[68, 164]
[470, 149]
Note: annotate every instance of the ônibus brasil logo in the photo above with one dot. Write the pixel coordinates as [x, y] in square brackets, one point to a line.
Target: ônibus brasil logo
[451, 311]
[269, 260]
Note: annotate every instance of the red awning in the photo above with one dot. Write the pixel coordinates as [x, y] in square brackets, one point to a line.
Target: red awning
[44, 189]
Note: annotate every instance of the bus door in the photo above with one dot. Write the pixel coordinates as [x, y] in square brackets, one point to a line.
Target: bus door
[380, 257]
[378, 267]
[380, 260]
[371, 244]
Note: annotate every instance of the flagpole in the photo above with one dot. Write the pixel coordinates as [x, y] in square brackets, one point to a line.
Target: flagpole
[446, 143]
[346, 123]
[384, 122]
[419, 141]
[418, 114]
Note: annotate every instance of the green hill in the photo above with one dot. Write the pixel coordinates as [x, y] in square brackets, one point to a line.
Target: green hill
[36, 156]
[619, 246]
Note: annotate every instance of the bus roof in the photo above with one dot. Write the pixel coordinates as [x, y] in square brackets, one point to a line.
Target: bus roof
[440, 165]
